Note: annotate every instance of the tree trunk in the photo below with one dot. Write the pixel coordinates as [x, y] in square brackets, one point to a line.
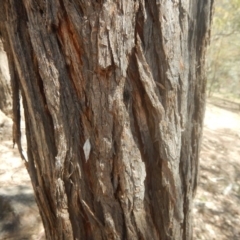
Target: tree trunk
[113, 95]
[5, 85]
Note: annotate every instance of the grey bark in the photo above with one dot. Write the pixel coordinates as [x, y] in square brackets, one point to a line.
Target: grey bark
[113, 95]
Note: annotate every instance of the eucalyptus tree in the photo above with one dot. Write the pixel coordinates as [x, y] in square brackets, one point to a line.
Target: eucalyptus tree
[113, 95]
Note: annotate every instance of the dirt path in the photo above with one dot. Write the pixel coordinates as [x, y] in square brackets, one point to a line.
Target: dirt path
[216, 208]
[217, 213]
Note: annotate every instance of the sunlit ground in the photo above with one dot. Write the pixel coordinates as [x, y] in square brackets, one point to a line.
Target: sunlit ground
[217, 212]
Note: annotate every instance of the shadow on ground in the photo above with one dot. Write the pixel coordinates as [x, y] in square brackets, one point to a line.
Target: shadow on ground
[19, 216]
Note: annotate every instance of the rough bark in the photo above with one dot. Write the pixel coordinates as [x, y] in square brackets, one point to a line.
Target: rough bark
[113, 95]
[5, 85]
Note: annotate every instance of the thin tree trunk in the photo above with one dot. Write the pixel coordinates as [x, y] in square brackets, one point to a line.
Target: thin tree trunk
[113, 95]
[5, 85]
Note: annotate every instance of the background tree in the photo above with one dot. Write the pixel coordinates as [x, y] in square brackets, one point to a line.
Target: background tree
[5, 86]
[113, 95]
[224, 54]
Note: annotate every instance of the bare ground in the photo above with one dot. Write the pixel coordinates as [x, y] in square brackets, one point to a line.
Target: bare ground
[216, 210]
[19, 216]
[216, 206]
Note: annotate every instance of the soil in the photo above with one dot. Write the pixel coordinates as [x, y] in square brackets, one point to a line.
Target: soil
[216, 208]
[19, 216]
[216, 205]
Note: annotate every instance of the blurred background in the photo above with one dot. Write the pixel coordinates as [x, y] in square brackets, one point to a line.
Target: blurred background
[223, 59]
[217, 202]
